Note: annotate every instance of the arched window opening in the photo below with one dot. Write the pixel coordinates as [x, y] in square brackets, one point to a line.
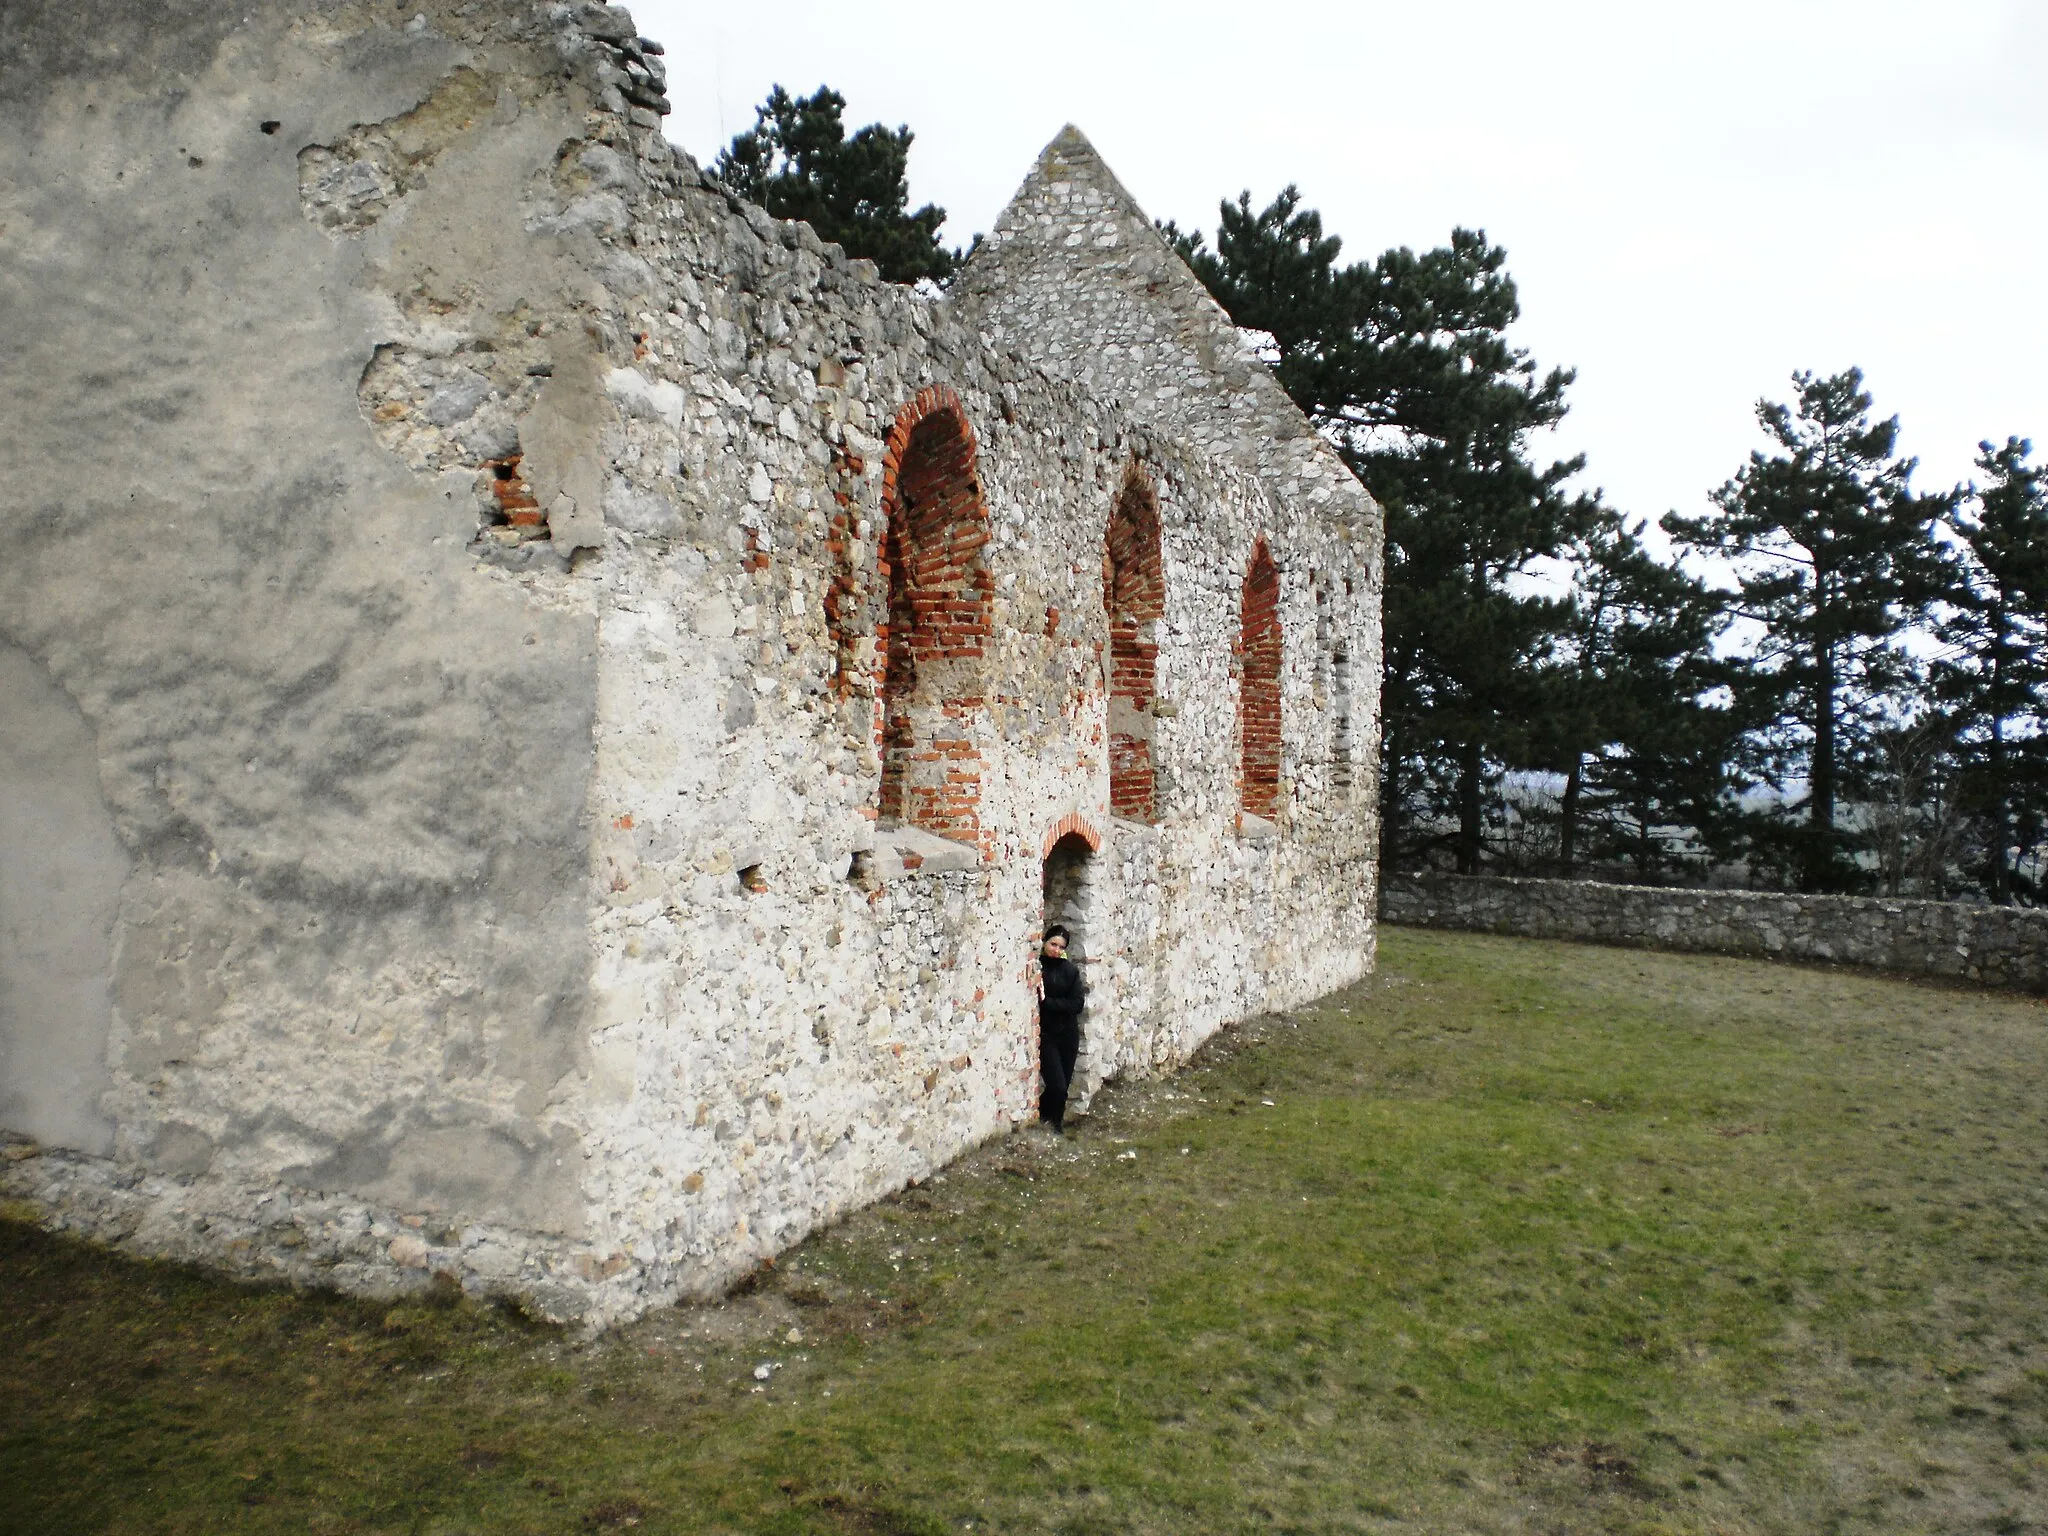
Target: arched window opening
[1258, 709]
[1134, 595]
[939, 601]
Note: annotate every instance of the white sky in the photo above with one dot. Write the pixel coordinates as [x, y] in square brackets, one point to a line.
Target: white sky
[1695, 201]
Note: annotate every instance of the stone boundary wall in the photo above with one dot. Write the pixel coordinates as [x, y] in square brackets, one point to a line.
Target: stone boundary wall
[1993, 946]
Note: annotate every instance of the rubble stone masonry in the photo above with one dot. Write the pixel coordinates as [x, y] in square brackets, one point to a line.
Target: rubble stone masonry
[543, 710]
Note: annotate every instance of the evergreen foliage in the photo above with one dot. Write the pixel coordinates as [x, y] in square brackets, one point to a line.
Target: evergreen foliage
[798, 163]
[1405, 364]
[1642, 746]
[1993, 674]
[1833, 560]
[1791, 721]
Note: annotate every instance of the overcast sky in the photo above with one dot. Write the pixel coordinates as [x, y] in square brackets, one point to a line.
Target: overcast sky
[1695, 201]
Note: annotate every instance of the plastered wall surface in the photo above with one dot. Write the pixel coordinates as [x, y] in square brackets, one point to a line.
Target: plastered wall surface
[1993, 946]
[61, 873]
[460, 538]
[346, 769]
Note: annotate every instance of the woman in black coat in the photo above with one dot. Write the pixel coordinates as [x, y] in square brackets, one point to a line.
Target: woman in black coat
[1062, 994]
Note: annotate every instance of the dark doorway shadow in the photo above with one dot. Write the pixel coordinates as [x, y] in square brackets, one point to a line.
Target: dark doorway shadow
[1069, 891]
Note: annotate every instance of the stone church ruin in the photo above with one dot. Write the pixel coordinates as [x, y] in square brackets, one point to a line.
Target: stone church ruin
[543, 710]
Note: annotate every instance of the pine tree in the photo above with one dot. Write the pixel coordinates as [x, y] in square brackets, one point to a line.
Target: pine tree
[1639, 745]
[1909, 796]
[1405, 364]
[1994, 671]
[797, 162]
[1833, 558]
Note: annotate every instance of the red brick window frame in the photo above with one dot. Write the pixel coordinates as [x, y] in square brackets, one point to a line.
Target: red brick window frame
[932, 646]
[1134, 596]
[1258, 698]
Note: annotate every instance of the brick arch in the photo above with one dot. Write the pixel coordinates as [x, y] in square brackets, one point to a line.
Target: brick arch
[1072, 825]
[1258, 697]
[1134, 597]
[931, 647]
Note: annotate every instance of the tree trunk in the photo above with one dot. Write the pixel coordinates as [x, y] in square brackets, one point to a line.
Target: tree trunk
[1820, 854]
[2001, 797]
[1568, 824]
[1468, 808]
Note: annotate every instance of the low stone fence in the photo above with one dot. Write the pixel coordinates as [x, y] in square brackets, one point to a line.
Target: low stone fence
[1993, 946]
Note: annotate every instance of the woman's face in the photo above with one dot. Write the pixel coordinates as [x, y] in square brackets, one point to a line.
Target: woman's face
[1056, 947]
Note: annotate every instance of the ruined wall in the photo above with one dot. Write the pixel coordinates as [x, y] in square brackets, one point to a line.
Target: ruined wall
[61, 872]
[339, 760]
[1994, 946]
[474, 590]
[1075, 279]
[800, 1003]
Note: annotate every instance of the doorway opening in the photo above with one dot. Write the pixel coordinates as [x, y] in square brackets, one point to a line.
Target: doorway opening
[1068, 891]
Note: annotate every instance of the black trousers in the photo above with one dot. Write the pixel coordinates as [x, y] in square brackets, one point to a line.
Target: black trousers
[1059, 1044]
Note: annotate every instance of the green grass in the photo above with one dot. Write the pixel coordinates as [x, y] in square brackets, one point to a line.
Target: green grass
[1531, 1237]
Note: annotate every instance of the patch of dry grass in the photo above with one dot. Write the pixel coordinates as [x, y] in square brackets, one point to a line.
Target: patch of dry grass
[1529, 1237]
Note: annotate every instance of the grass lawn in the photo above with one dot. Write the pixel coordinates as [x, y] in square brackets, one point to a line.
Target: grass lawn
[1516, 1237]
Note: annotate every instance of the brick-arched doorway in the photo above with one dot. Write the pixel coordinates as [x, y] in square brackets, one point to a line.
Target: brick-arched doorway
[1067, 886]
[1070, 896]
[938, 623]
[1134, 595]
[1259, 657]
